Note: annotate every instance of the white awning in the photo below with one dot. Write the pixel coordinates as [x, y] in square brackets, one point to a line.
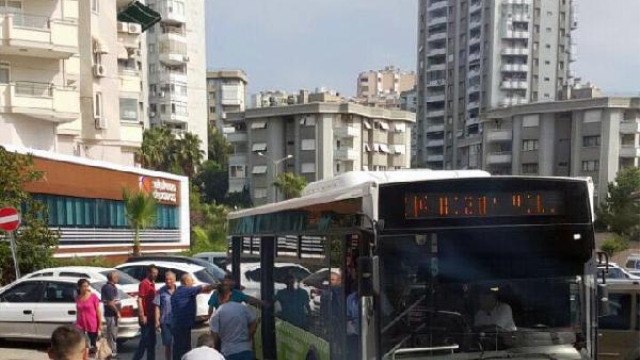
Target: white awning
[400, 127]
[259, 125]
[123, 54]
[399, 149]
[367, 124]
[259, 169]
[384, 125]
[367, 148]
[259, 147]
[383, 148]
[100, 46]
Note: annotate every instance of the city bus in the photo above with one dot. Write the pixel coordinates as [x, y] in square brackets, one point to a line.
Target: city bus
[416, 264]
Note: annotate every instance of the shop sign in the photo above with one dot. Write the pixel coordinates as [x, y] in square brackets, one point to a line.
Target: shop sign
[162, 190]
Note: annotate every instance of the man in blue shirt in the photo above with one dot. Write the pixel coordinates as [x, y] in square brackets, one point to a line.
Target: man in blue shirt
[234, 325]
[294, 303]
[226, 293]
[163, 311]
[183, 314]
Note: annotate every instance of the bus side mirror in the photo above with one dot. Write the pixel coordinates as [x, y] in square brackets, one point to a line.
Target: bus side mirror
[603, 300]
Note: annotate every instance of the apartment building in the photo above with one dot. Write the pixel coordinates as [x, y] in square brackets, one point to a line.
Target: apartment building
[474, 55]
[382, 88]
[316, 140]
[226, 93]
[267, 98]
[71, 79]
[409, 102]
[176, 53]
[584, 137]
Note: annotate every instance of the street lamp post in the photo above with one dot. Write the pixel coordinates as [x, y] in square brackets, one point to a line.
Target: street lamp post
[275, 171]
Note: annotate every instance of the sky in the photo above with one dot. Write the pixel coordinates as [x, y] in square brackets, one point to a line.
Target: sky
[294, 44]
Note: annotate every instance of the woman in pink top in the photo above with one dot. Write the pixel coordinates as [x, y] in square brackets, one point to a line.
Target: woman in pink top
[88, 318]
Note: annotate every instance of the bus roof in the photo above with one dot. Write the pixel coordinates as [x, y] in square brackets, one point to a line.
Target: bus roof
[355, 184]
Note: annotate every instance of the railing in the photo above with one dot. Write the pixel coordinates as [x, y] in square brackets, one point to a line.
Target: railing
[28, 20]
[173, 30]
[35, 89]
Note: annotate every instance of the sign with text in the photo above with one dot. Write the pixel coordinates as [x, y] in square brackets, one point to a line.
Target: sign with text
[163, 191]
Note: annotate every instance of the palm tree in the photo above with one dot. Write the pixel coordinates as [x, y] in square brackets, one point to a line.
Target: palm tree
[155, 151]
[140, 211]
[290, 184]
[188, 153]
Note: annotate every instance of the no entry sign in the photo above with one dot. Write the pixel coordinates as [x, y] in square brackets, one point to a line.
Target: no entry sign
[9, 219]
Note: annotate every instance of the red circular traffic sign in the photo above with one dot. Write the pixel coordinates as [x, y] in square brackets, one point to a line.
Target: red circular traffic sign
[9, 219]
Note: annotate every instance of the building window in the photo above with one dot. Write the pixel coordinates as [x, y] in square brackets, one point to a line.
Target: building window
[531, 168]
[95, 6]
[546, 79]
[547, 62]
[97, 105]
[589, 141]
[4, 73]
[259, 125]
[308, 144]
[259, 170]
[237, 171]
[308, 168]
[591, 165]
[212, 109]
[260, 193]
[536, 28]
[548, 46]
[128, 109]
[152, 48]
[529, 145]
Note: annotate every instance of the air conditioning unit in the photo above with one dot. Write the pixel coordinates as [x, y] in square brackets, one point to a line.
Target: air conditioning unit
[99, 70]
[123, 26]
[101, 123]
[135, 28]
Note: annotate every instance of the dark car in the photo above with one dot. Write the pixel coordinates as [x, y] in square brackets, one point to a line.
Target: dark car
[212, 269]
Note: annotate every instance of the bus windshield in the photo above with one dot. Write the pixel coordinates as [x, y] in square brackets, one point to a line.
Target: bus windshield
[481, 290]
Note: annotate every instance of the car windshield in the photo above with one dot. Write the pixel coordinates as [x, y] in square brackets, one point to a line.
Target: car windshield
[98, 287]
[205, 277]
[123, 277]
[212, 269]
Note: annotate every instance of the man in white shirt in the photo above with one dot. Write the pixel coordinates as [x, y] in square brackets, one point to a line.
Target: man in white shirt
[494, 313]
[204, 350]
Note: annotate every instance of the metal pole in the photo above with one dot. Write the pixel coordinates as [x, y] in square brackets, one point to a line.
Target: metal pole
[14, 253]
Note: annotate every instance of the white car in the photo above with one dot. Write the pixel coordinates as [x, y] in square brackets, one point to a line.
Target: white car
[217, 258]
[92, 273]
[32, 308]
[251, 275]
[617, 273]
[633, 264]
[201, 276]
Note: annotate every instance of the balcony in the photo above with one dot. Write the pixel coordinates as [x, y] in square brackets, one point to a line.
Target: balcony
[173, 49]
[515, 35]
[475, 21]
[435, 98]
[473, 88]
[435, 157]
[474, 56]
[345, 154]
[38, 36]
[435, 128]
[436, 51]
[473, 104]
[514, 84]
[474, 73]
[513, 101]
[437, 36]
[474, 40]
[517, 2]
[346, 132]
[129, 81]
[170, 12]
[630, 127]
[499, 135]
[475, 6]
[436, 67]
[131, 132]
[40, 100]
[515, 68]
[438, 82]
[435, 5]
[435, 142]
[515, 51]
[437, 20]
[497, 158]
[236, 137]
[172, 77]
[629, 151]
[472, 120]
[435, 113]
[520, 18]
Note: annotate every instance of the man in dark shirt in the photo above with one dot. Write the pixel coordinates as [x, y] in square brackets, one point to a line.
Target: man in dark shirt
[147, 314]
[109, 294]
[183, 314]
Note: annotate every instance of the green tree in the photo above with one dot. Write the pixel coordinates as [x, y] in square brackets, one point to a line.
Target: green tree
[621, 211]
[207, 220]
[219, 148]
[212, 181]
[34, 240]
[156, 151]
[290, 184]
[188, 154]
[614, 245]
[140, 211]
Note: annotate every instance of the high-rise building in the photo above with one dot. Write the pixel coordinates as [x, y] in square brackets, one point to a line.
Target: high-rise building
[582, 137]
[474, 55]
[71, 79]
[316, 140]
[226, 93]
[409, 102]
[177, 68]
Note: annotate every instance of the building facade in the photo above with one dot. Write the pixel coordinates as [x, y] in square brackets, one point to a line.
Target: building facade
[226, 93]
[474, 55]
[409, 102]
[584, 137]
[383, 87]
[315, 140]
[71, 79]
[177, 68]
[84, 202]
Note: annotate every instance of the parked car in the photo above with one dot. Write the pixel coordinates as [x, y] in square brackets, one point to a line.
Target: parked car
[633, 264]
[251, 276]
[217, 258]
[617, 273]
[214, 270]
[125, 282]
[619, 331]
[32, 308]
[201, 276]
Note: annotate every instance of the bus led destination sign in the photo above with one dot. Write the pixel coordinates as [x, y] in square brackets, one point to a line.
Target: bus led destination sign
[483, 204]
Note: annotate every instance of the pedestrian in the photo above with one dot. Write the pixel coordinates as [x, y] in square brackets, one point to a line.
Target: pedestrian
[88, 317]
[234, 325]
[183, 314]
[163, 311]
[68, 343]
[111, 313]
[294, 303]
[205, 349]
[226, 292]
[147, 314]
